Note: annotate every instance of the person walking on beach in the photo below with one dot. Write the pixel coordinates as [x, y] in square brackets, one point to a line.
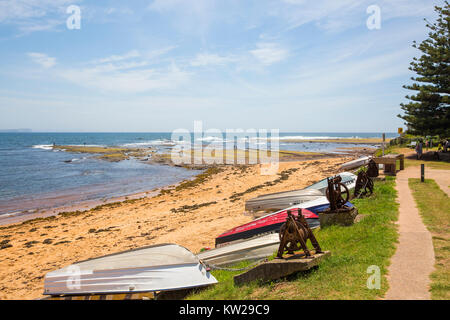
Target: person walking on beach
[419, 149]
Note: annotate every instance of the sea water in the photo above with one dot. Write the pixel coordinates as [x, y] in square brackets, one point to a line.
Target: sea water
[33, 175]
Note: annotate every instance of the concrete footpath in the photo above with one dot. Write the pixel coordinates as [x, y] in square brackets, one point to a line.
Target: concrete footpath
[413, 261]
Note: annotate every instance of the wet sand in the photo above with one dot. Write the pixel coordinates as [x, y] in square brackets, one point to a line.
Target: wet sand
[191, 216]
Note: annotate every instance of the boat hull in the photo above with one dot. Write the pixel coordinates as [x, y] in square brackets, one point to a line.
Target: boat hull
[277, 201]
[246, 250]
[355, 163]
[154, 268]
[274, 203]
[271, 222]
[268, 224]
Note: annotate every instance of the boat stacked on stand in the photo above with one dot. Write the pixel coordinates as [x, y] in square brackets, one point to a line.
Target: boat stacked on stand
[356, 163]
[347, 178]
[246, 250]
[257, 238]
[260, 238]
[277, 201]
[268, 224]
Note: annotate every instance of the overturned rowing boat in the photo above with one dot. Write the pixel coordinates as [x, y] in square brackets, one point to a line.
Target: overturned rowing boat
[271, 223]
[247, 250]
[267, 224]
[355, 163]
[277, 201]
[347, 178]
[153, 268]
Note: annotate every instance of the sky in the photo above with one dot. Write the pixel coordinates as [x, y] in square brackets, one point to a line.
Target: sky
[159, 65]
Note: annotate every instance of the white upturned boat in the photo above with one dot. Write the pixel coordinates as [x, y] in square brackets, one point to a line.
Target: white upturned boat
[355, 163]
[277, 201]
[252, 249]
[348, 179]
[153, 268]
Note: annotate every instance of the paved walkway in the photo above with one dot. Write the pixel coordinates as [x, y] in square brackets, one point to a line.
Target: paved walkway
[413, 261]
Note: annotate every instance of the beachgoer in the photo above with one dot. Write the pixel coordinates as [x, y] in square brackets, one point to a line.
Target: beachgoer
[419, 149]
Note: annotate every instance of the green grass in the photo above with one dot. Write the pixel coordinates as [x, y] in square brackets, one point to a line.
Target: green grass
[434, 207]
[440, 165]
[341, 276]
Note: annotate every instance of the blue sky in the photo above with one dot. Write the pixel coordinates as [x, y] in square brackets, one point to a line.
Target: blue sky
[293, 65]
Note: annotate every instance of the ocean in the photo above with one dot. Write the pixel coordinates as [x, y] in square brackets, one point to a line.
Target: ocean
[34, 176]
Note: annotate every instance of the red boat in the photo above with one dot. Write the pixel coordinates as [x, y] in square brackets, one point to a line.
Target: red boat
[268, 224]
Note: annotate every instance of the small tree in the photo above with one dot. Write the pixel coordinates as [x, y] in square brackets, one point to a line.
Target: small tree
[428, 113]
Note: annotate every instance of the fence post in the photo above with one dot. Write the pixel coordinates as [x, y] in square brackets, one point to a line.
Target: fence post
[422, 172]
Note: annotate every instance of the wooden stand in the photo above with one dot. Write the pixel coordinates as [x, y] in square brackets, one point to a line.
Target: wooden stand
[390, 161]
[341, 217]
[279, 268]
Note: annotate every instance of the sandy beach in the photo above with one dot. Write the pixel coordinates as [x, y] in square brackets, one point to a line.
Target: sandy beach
[191, 216]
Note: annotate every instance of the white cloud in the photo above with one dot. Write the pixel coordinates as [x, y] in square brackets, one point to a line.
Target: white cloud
[13, 10]
[132, 72]
[125, 80]
[114, 58]
[127, 73]
[134, 55]
[34, 15]
[188, 16]
[42, 59]
[118, 11]
[336, 16]
[206, 59]
[269, 53]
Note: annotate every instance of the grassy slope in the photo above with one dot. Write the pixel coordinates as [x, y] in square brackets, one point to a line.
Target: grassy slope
[343, 275]
[434, 206]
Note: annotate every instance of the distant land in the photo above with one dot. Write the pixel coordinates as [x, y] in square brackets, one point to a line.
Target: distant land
[16, 130]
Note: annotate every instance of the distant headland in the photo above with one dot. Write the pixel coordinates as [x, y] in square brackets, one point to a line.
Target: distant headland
[16, 130]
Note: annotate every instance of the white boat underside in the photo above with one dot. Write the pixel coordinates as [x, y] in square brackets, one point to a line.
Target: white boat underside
[252, 249]
[275, 203]
[355, 163]
[280, 200]
[154, 268]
